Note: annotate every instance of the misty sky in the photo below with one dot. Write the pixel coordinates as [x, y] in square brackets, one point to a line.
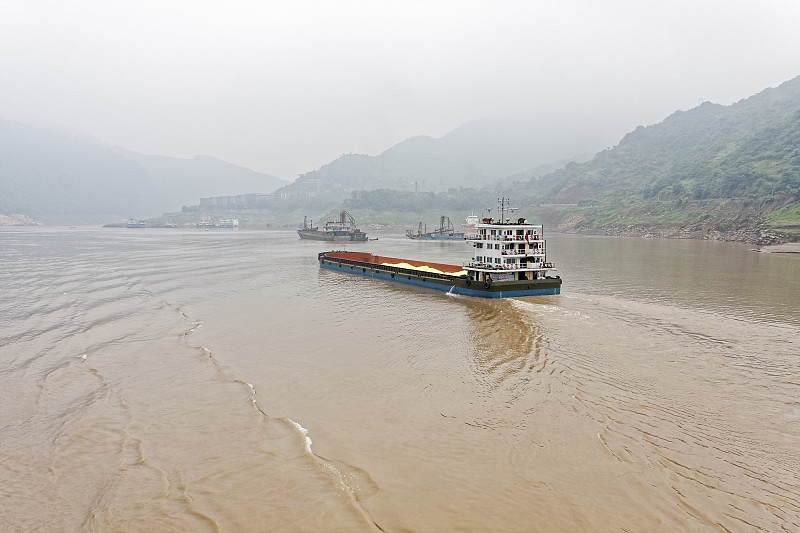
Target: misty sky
[284, 87]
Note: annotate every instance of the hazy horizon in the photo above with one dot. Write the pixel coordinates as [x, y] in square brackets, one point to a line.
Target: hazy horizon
[284, 88]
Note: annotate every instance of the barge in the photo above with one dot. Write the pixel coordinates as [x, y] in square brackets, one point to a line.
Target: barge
[509, 260]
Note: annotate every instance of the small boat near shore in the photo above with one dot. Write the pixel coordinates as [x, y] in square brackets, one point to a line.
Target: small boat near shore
[509, 260]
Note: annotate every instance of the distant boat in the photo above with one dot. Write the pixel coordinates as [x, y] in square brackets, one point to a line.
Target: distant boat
[445, 232]
[470, 225]
[136, 223]
[229, 223]
[341, 230]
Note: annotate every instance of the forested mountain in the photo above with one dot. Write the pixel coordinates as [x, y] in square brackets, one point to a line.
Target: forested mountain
[59, 177]
[471, 156]
[54, 176]
[730, 172]
[748, 149]
[711, 168]
[722, 171]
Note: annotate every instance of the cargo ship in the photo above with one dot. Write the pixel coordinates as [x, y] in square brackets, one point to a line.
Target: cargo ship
[445, 232]
[509, 260]
[342, 230]
[470, 225]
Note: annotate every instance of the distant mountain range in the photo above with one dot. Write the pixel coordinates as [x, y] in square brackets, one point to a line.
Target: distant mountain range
[185, 181]
[713, 167]
[57, 177]
[474, 155]
[713, 171]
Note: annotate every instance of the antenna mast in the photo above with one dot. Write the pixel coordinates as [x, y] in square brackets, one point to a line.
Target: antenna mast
[503, 208]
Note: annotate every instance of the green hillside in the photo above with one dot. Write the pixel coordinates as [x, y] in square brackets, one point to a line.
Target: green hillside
[712, 168]
[751, 149]
[713, 171]
[726, 172]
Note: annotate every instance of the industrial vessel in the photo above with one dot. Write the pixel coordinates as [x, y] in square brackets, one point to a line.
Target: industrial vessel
[445, 232]
[342, 230]
[509, 259]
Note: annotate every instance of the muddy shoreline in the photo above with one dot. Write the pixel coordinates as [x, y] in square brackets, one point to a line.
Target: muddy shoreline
[785, 248]
[760, 238]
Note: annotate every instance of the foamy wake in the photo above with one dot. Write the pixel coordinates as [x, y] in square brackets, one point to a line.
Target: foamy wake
[547, 308]
[304, 431]
[352, 480]
[300, 428]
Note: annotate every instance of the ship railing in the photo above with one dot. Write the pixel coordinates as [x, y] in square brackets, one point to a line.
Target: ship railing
[506, 266]
[522, 253]
[492, 266]
[506, 238]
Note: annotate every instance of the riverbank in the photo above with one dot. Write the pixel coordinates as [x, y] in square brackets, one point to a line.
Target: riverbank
[786, 248]
[759, 237]
[735, 220]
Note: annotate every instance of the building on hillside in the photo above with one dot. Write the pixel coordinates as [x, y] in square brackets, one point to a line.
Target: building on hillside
[238, 201]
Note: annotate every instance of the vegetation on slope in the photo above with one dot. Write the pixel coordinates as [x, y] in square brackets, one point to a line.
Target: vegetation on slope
[724, 171]
[693, 172]
[472, 156]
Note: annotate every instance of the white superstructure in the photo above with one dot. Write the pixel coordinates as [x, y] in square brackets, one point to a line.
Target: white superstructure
[507, 249]
[471, 225]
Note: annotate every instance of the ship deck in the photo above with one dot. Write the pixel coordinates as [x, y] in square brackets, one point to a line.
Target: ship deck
[399, 266]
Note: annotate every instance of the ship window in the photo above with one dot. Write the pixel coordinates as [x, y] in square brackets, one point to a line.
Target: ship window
[478, 258]
[496, 246]
[496, 259]
[479, 245]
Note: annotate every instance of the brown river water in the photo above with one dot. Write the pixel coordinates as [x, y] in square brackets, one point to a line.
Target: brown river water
[171, 380]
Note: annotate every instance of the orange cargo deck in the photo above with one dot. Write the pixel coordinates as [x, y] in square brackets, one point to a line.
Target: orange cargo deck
[365, 257]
